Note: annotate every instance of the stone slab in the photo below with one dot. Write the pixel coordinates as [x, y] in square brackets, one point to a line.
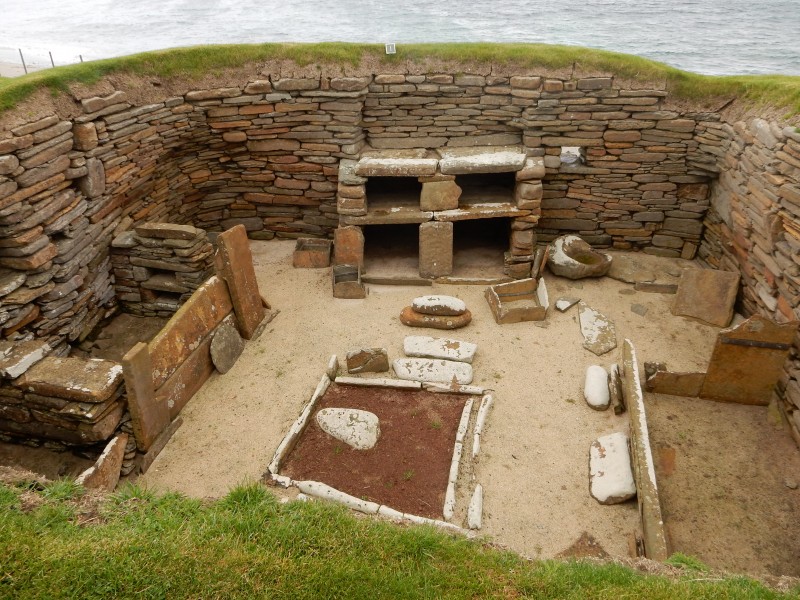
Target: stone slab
[167, 231]
[433, 370]
[610, 473]
[435, 249]
[412, 318]
[706, 295]
[595, 388]
[747, 361]
[226, 346]
[423, 346]
[83, 380]
[437, 304]
[599, 333]
[234, 263]
[148, 417]
[359, 429]
[367, 360]
[397, 166]
[564, 304]
[675, 384]
[644, 473]
[187, 379]
[198, 316]
[104, 474]
[461, 161]
[348, 246]
[439, 195]
[18, 357]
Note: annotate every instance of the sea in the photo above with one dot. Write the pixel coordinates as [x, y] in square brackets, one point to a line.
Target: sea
[715, 37]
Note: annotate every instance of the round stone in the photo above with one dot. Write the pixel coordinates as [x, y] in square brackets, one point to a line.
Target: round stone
[595, 389]
[226, 347]
[413, 318]
[359, 429]
[447, 306]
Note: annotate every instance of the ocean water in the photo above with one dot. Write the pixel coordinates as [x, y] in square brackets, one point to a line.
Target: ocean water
[705, 36]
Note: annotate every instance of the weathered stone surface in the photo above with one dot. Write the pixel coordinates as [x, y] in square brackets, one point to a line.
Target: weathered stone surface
[104, 474]
[433, 370]
[412, 318]
[611, 477]
[439, 195]
[234, 263]
[18, 357]
[312, 253]
[595, 388]
[368, 360]
[93, 184]
[661, 381]
[435, 249]
[517, 301]
[564, 304]
[359, 429]
[187, 379]
[707, 295]
[348, 246]
[460, 161]
[395, 166]
[148, 418]
[599, 333]
[747, 361]
[423, 346]
[84, 136]
[439, 305]
[226, 346]
[10, 281]
[573, 258]
[168, 231]
[475, 509]
[84, 380]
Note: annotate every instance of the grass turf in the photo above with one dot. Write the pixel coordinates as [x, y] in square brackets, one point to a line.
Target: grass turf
[248, 545]
[780, 91]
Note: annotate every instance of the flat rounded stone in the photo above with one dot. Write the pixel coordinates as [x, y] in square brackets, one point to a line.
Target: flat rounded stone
[448, 306]
[226, 347]
[610, 473]
[573, 258]
[412, 318]
[359, 429]
[433, 370]
[595, 388]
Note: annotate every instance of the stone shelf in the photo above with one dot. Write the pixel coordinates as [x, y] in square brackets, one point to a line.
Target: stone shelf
[390, 215]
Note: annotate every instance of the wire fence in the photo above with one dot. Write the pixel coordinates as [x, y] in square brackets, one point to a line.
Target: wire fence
[20, 61]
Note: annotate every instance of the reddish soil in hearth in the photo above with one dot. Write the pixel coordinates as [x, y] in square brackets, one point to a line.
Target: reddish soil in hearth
[406, 470]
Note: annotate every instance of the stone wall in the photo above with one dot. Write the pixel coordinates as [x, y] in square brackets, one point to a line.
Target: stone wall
[753, 227]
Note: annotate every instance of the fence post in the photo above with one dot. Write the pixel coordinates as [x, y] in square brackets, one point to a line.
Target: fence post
[51, 59]
[24, 66]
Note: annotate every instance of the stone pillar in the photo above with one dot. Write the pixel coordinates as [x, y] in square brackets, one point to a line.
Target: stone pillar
[348, 246]
[435, 249]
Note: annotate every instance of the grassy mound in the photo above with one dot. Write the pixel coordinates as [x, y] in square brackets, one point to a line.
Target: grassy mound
[777, 91]
[59, 543]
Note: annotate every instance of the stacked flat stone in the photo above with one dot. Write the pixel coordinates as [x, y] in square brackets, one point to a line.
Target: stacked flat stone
[437, 312]
[157, 266]
[753, 228]
[74, 401]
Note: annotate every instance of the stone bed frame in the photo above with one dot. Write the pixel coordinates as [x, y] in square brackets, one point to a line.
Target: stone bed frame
[321, 490]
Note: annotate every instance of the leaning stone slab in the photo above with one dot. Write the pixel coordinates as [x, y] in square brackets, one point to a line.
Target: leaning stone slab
[84, 380]
[368, 360]
[16, 358]
[610, 474]
[439, 305]
[706, 295]
[661, 381]
[599, 334]
[234, 263]
[359, 429]
[595, 388]
[572, 257]
[424, 346]
[747, 361]
[104, 474]
[226, 346]
[412, 318]
[460, 161]
[433, 370]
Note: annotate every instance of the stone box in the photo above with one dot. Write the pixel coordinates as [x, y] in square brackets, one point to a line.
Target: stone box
[523, 300]
[312, 253]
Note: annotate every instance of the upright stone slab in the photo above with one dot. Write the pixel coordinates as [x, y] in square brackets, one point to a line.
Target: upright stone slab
[348, 246]
[439, 195]
[435, 249]
[104, 474]
[234, 264]
[747, 361]
[706, 295]
[148, 417]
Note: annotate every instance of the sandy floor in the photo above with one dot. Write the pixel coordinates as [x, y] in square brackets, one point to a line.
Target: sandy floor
[534, 461]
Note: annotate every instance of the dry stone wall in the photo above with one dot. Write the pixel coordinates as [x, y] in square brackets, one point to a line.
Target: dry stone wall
[753, 227]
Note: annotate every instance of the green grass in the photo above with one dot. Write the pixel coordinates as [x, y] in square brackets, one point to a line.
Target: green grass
[779, 91]
[248, 545]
